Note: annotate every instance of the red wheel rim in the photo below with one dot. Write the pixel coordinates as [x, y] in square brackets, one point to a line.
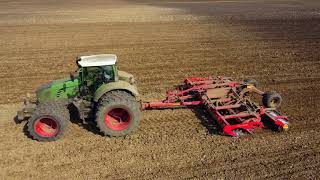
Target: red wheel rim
[46, 127]
[117, 119]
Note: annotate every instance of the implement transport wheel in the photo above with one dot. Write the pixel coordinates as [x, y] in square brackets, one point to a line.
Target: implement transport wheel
[271, 100]
[48, 122]
[118, 113]
[252, 82]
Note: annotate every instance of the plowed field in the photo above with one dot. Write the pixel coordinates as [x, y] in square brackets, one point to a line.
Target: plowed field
[160, 43]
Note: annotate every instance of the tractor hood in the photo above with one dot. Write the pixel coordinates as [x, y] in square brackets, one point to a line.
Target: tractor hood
[58, 89]
[125, 76]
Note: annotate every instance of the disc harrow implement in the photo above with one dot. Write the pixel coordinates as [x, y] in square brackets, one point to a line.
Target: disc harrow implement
[228, 102]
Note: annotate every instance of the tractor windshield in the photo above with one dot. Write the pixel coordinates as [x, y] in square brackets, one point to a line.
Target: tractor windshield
[93, 77]
[98, 74]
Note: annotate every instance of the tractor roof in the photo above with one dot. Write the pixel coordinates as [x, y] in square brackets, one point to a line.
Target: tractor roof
[97, 60]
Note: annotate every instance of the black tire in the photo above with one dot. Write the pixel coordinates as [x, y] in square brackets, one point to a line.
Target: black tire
[271, 100]
[251, 81]
[127, 111]
[50, 116]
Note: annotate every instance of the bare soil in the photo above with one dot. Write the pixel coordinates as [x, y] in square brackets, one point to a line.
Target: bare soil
[161, 42]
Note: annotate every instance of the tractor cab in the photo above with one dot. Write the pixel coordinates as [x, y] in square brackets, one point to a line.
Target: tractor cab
[100, 66]
[95, 70]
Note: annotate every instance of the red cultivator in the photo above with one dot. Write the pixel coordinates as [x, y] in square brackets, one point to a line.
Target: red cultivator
[228, 102]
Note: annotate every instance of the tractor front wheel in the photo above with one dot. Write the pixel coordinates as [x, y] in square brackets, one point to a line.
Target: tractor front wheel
[48, 122]
[118, 114]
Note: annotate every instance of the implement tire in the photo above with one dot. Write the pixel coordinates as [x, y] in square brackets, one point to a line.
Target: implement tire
[271, 100]
[118, 113]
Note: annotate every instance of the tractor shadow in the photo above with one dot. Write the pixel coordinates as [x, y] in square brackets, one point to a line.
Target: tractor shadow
[88, 124]
[207, 121]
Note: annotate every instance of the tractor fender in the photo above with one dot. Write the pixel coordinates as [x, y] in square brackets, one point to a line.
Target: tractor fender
[118, 85]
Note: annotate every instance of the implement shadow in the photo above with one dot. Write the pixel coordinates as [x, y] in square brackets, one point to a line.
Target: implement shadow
[206, 120]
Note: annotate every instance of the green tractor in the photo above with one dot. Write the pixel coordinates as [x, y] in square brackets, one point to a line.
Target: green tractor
[97, 90]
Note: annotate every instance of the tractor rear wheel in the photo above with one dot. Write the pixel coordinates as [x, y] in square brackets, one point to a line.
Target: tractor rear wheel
[118, 113]
[48, 122]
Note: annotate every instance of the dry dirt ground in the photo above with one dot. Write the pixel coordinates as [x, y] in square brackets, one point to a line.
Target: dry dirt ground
[161, 42]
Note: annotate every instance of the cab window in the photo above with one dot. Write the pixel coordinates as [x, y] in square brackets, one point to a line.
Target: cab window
[98, 74]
